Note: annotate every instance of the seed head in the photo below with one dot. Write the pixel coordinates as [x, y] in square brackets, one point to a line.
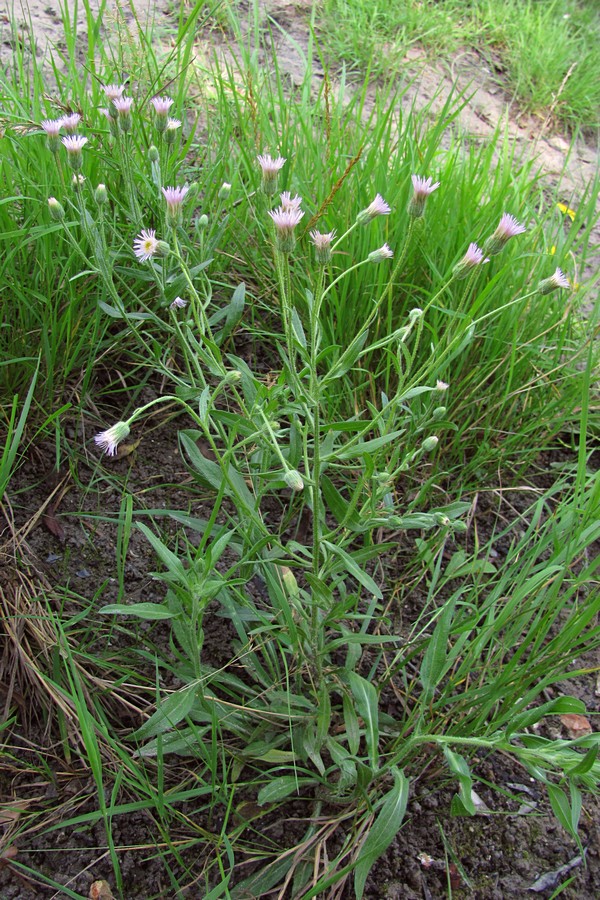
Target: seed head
[56, 209]
[170, 130]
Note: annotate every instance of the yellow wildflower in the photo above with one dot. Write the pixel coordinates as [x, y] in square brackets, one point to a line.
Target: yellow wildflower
[567, 211]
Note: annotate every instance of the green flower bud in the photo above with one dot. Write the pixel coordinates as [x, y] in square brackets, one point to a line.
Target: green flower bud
[430, 443]
[56, 209]
[153, 154]
[293, 480]
[101, 195]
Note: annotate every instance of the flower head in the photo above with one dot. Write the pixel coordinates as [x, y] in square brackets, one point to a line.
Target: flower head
[145, 245]
[289, 202]
[175, 197]
[270, 172]
[322, 243]
[74, 144]
[422, 188]
[52, 128]
[441, 386]
[109, 440]
[285, 221]
[170, 130]
[224, 190]
[508, 227]
[113, 91]
[472, 258]
[123, 107]
[378, 256]
[557, 281]
[378, 207]
[71, 122]
[567, 211]
[178, 303]
[162, 105]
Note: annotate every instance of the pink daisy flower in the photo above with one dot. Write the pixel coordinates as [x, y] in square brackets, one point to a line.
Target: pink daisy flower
[289, 202]
[270, 169]
[174, 197]
[472, 258]
[422, 188]
[558, 281]
[378, 256]
[322, 244]
[162, 105]
[285, 221]
[74, 144]
[378, 207]
[508, 227]
[71, 122]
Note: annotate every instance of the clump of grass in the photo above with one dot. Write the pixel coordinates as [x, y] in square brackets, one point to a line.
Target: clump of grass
[546, 50]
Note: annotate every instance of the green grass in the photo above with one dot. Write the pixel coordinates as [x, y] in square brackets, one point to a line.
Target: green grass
[546, 51]
[331, 471]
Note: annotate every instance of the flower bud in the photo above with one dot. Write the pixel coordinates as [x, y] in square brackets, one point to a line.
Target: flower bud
[162, 249]
[293, 480]
[414, 315]
[224, 190]
[441, 519]
[202, 221]
[439, 412]
[101, 195]
[56, 209]
[233, 377]
[153, 154]
[430, 443]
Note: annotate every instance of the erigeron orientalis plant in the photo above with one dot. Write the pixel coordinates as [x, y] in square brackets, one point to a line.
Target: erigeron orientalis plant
[321, 598]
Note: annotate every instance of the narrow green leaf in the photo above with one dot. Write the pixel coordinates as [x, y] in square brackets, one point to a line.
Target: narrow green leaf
[280, 788]
[148, 611]
[166, 556]
[354, 569]
[365, 695]
[170, 712]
